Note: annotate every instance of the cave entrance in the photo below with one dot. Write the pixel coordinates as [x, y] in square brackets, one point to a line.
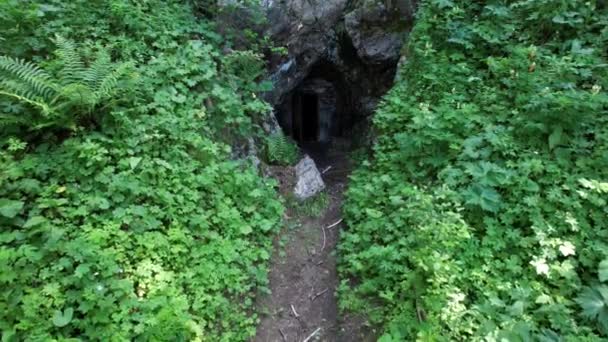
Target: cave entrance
[327, 109]
[306, 117]
[311, 112]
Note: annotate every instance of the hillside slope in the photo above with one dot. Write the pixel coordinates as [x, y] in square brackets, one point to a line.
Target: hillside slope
[482, 214]
[122, 216]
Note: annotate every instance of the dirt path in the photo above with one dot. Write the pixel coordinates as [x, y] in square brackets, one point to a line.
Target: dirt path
[303, 277]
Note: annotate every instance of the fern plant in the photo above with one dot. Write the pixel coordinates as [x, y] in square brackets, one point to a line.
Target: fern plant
[281, 150]
[61, 98]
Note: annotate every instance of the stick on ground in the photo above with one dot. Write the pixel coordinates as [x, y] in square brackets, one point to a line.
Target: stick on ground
[318, 294]
[312, 335]
[283, 335]
[334, 224]
[324, 239]
[295, 313]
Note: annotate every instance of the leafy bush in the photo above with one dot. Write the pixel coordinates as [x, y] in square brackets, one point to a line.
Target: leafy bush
[482, 214]
[280, 149]
[139, 228]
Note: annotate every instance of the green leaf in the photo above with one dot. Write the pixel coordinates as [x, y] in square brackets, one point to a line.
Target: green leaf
[10, 208]
[81, 270]
[134, 161]
[517, 309]
[444, 3]
[603, 270]
[264, 255]
[34, 221]
[531, 186]
[246, 229]
[373, 213]
[485, 197]
[385, 338]
[62, 319]
[593, 301]
[556, 137]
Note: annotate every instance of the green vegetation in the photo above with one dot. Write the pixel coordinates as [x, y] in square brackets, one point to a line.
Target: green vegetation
[122, 217]
[62, 100]
[310, 207]
[482, 215]
[281, 149]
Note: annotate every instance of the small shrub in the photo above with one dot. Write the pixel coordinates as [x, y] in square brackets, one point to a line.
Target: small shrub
[281, 150]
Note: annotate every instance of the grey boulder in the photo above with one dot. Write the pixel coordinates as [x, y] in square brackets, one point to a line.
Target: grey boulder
[308, 179]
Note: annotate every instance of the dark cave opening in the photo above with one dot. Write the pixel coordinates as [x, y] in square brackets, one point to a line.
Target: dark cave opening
[306, 117]
[328, 105]
[329, 84]
[316, 110]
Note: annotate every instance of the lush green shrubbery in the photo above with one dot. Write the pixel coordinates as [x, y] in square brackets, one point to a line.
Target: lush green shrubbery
[124, 220]
[483, 214]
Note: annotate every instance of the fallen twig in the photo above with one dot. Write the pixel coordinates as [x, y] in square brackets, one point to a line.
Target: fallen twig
[320, 263]
[318, 294]
[324, 238]
[283, 335]
[312, 335]
[295, 313]
[326, 169]
[334, 224]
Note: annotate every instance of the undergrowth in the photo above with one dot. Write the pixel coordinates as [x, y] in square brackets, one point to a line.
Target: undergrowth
[122, 216]
[482, 215]
[311, 207]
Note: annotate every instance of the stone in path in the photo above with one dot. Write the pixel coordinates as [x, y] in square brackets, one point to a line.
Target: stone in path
[308, 179]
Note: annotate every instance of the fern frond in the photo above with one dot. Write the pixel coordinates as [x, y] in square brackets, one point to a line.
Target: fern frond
[61, 101]
[108, 85]
[99, 68]
[72, 67]
[281, 149]
[46, 110]
[77, 95]
[26, 78]
[15, 86]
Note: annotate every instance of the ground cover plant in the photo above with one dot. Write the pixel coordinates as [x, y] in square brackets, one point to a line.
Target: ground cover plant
[281, 150]
[482, 215]
[122, 216]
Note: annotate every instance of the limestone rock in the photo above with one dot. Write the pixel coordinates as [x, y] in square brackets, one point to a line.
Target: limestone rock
[269, 123]
[378, 29]
[308, 179]
[305, 27]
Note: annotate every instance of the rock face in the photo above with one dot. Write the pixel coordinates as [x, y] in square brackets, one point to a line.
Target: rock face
[308, 179]
[375, 41]
[354, 44]
[306, 28]
[344, 52]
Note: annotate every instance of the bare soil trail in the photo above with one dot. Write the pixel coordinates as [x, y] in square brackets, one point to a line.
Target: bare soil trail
[302, 306]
